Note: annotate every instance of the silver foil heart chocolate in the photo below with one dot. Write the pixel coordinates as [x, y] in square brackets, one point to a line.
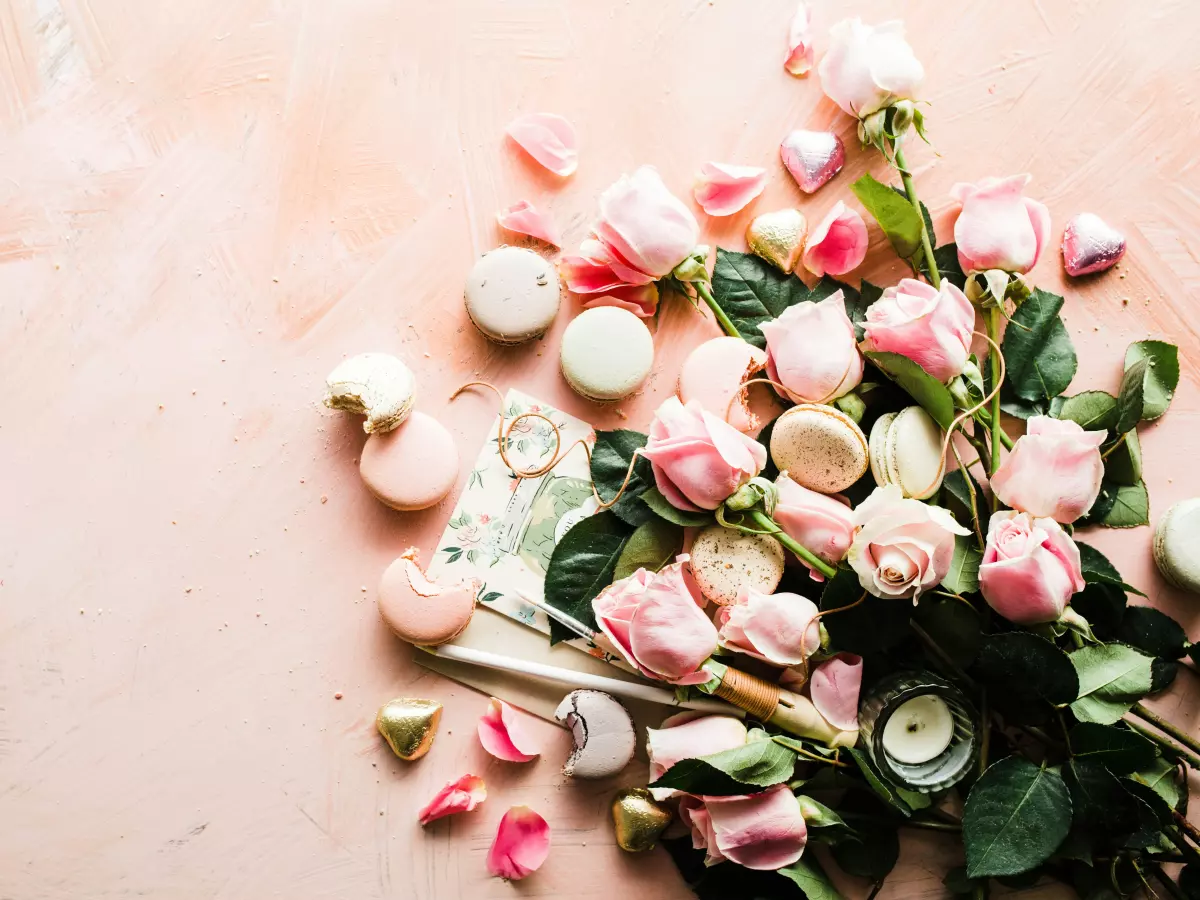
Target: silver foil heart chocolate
[813, 157]
[1091, 245]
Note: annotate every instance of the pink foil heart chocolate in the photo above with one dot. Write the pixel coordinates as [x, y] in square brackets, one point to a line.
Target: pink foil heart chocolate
[813, 157]
[1091, 245]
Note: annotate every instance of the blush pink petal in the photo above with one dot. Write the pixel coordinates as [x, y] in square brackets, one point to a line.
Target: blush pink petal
[762, 831]
[456, 797]
[998, 228]
[521, 845]
[503, 734]
[1054, 470]
[834, 688]
[694, 814]
[549, 139]
[812, 352]
[1031, 568]
[822, 523]
[800, 43]
[525, 218]
[931, 327]
[644, 226]
[689, 740]
[838, 244]
[639, 299]
[722, 189]
[776, 628]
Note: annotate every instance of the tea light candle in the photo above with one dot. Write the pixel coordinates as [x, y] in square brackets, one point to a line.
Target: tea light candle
[919, 730]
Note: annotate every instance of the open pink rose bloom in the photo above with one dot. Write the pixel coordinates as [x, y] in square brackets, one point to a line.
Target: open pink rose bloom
[1030, 569]
[504, 735]
[931, 327]
[456, 797]
[1054, 470]
[758, 831]
[521, 845]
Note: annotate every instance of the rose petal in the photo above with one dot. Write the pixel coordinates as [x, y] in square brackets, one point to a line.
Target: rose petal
[456, 797]
[525, 218]
[521, 845]
[800, 43]
[503, 734]
[758, 831]
[838, 244]
[834, 689]
[639, 299]
[723, 189]
[699, 737]
[549, 139]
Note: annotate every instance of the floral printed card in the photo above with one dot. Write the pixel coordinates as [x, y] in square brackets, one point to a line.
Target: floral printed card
[504, 528]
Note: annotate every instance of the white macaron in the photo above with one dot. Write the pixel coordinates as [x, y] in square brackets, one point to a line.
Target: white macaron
[820, 447]
[606, 353]
[906, 450]
[1177, 545]
[512, 295]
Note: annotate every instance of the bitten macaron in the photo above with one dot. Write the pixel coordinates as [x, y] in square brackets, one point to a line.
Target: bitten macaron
[820, 447]
[714, 374]
[606, 353]
[1177, 545]
[512, 295]
[419, 610]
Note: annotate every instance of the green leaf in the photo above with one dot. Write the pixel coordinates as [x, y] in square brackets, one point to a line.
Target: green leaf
[1093, 410]
[1119, 750]
[581, 566]
[894, 213]
[1162, 777]
[871, 851]
[751, 291]
[742, 770]
[1098, 570]
[1103, 605]
[1014, 819]
[884, 789]
[611, 456]
[1112, 677]
[1037, 349]
[1162, 374]
[1131, 507]
[1123, 466]
[963, 577]
[1025, 664]
[930, 393]
[1153, 631]
[946, 257]
[1130, 400]
[807, 874]
[1102, 806]
[818, 815]
[953, 626]
[957, 495]
[856, 308]
[654, 499]
[873, 625]
[652, 546]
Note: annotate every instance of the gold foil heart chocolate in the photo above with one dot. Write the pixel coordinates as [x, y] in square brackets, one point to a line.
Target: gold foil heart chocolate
[778, 237]
[409, 725]
[638, 820]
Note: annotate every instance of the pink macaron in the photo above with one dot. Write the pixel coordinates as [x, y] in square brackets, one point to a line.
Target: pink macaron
[714, 374]
[421, 611]
[413, 467]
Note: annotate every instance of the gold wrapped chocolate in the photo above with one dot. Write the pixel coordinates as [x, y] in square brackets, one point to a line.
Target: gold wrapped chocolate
[778, 237]
[638, 820]
[409, 725]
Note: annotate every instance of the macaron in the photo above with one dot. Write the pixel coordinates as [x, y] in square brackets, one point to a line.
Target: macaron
[714, 374]
[376, 385]
[512, 295]
[606, 353]
[820, 447]
[420, 611]
[1177, 545]
[723, 561]
[412, 467]
[906, 450]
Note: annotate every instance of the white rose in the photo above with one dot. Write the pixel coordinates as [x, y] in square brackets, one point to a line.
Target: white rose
[869, 67]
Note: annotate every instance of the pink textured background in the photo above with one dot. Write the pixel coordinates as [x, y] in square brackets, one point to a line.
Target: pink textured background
[205, 205]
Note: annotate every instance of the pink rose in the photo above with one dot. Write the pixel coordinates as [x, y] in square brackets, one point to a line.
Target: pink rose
[998, 228]
[838, 243]
[903, 547]
[644, 232]
[812, 352]
[821, 522]
[758, 831]
[699, 459]
[691, 739]
[776, 628]
[1030, 568]
[931, 327]
[656, 621]
[1053, 471]
[869, 67]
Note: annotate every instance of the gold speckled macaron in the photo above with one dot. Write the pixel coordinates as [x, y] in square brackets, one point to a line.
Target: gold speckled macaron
[723, 561]
[820, 447]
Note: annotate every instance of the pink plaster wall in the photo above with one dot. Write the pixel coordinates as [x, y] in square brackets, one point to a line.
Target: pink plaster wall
[205, 205]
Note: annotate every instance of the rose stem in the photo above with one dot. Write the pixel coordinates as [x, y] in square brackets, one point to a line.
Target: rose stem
[1164, 726]
[935, 277]
[1190, 759]
[1188, 828]
[816, 757]
[930, 825]
[1171, 887]
[723, 320]
[985, 419]
[993, 329]
[762, 520]
[1184, 847]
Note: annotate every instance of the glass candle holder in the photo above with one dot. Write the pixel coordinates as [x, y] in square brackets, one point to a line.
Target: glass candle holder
[908, 753]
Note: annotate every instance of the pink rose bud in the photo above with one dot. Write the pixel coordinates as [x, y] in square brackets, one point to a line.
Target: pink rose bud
[820, 522]
[780, 629]
[903, 547]
[1030, 568]
[1054, 470]
[869, 67]
[656, 621]
[759, 831]
[838, 244]
[998, 228]
[698, 458]
[688, 740]
[812, 352]
[931, 327]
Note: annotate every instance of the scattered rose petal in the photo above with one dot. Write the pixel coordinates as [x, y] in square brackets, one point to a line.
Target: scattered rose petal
[549, 139]
[723, 189]
[813, 157]
[525, 218]
[1091, 245]
[521, 846]
[838, 244]
[834, 688]
[800, 43]
[503, 734]
[456, 797]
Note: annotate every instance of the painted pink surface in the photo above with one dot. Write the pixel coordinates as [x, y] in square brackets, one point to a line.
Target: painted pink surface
[205, 206]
